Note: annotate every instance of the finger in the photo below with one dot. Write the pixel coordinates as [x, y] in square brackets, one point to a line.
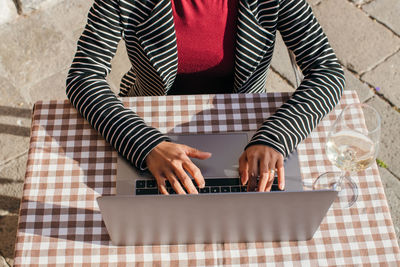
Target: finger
[195, 153]
[186, 181]
[161, 185]
[264, 175]
[271, 175]
[268, 187]
[175, 184]
[281, 174]
[195, 173]
[243, 169]
[271, 178]
[252, 173]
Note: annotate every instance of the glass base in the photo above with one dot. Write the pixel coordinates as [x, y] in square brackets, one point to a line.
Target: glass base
[347, 188]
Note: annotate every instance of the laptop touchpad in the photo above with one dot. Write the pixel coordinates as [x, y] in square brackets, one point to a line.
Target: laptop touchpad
[225, 148]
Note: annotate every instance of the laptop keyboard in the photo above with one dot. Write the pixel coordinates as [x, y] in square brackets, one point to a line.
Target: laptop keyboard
[212, 186]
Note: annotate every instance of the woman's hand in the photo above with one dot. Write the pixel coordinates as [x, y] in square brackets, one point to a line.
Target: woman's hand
[170, 161]
[263, 161]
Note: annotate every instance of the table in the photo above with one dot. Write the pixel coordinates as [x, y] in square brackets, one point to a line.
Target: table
[70, 165]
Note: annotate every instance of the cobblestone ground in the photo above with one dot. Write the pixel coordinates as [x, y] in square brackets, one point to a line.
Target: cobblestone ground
[39, 41]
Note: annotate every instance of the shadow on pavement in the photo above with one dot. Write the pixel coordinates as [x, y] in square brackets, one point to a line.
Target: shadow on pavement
[15, 112]
[8, 231]
[8, 225]
[10, 204]
[14, 130]
[18, 113]
[9, 181]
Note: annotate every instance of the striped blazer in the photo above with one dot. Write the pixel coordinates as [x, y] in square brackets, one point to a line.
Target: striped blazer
[147, 28]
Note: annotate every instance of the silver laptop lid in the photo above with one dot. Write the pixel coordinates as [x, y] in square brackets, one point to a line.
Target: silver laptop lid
[206, 218]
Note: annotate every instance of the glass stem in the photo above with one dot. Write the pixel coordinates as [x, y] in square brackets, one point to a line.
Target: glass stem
[351, 185]
[343, 176]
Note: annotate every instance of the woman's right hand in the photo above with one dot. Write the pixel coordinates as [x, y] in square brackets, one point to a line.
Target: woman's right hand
[170, 161]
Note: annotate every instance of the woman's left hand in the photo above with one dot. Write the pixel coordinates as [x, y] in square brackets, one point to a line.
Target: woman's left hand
[262, 161]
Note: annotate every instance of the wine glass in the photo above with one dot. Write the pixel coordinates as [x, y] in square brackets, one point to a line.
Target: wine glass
[352, 146]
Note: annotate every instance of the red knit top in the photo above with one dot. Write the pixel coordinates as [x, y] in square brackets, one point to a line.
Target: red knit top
[205, 33]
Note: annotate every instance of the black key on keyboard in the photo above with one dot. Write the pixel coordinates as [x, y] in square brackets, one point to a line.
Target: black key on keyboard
[235, 189]
[204, 190]
[171, 191]
[222, 182]
[275, 188]
[147, 191]
[151, 184]
[215, 189]
[225, 189]
[140, 184]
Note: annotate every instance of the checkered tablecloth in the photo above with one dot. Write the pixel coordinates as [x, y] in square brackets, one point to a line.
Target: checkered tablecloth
[70, 165]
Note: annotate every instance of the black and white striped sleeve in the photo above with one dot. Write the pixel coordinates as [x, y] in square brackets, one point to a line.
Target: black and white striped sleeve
[321, 88]
[90, 93]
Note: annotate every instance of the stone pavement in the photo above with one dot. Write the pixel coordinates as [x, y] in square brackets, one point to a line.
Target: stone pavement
[38, 41]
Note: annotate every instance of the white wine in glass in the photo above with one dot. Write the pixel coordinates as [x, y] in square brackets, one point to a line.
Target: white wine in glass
[351, 151]
[352, 146]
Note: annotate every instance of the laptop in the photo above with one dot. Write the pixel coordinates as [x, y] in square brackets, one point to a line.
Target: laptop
[223, 211]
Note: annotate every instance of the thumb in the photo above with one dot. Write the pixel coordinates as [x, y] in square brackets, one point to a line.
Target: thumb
[195, 153]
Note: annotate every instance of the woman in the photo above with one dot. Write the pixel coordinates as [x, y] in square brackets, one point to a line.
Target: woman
[222, 46]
